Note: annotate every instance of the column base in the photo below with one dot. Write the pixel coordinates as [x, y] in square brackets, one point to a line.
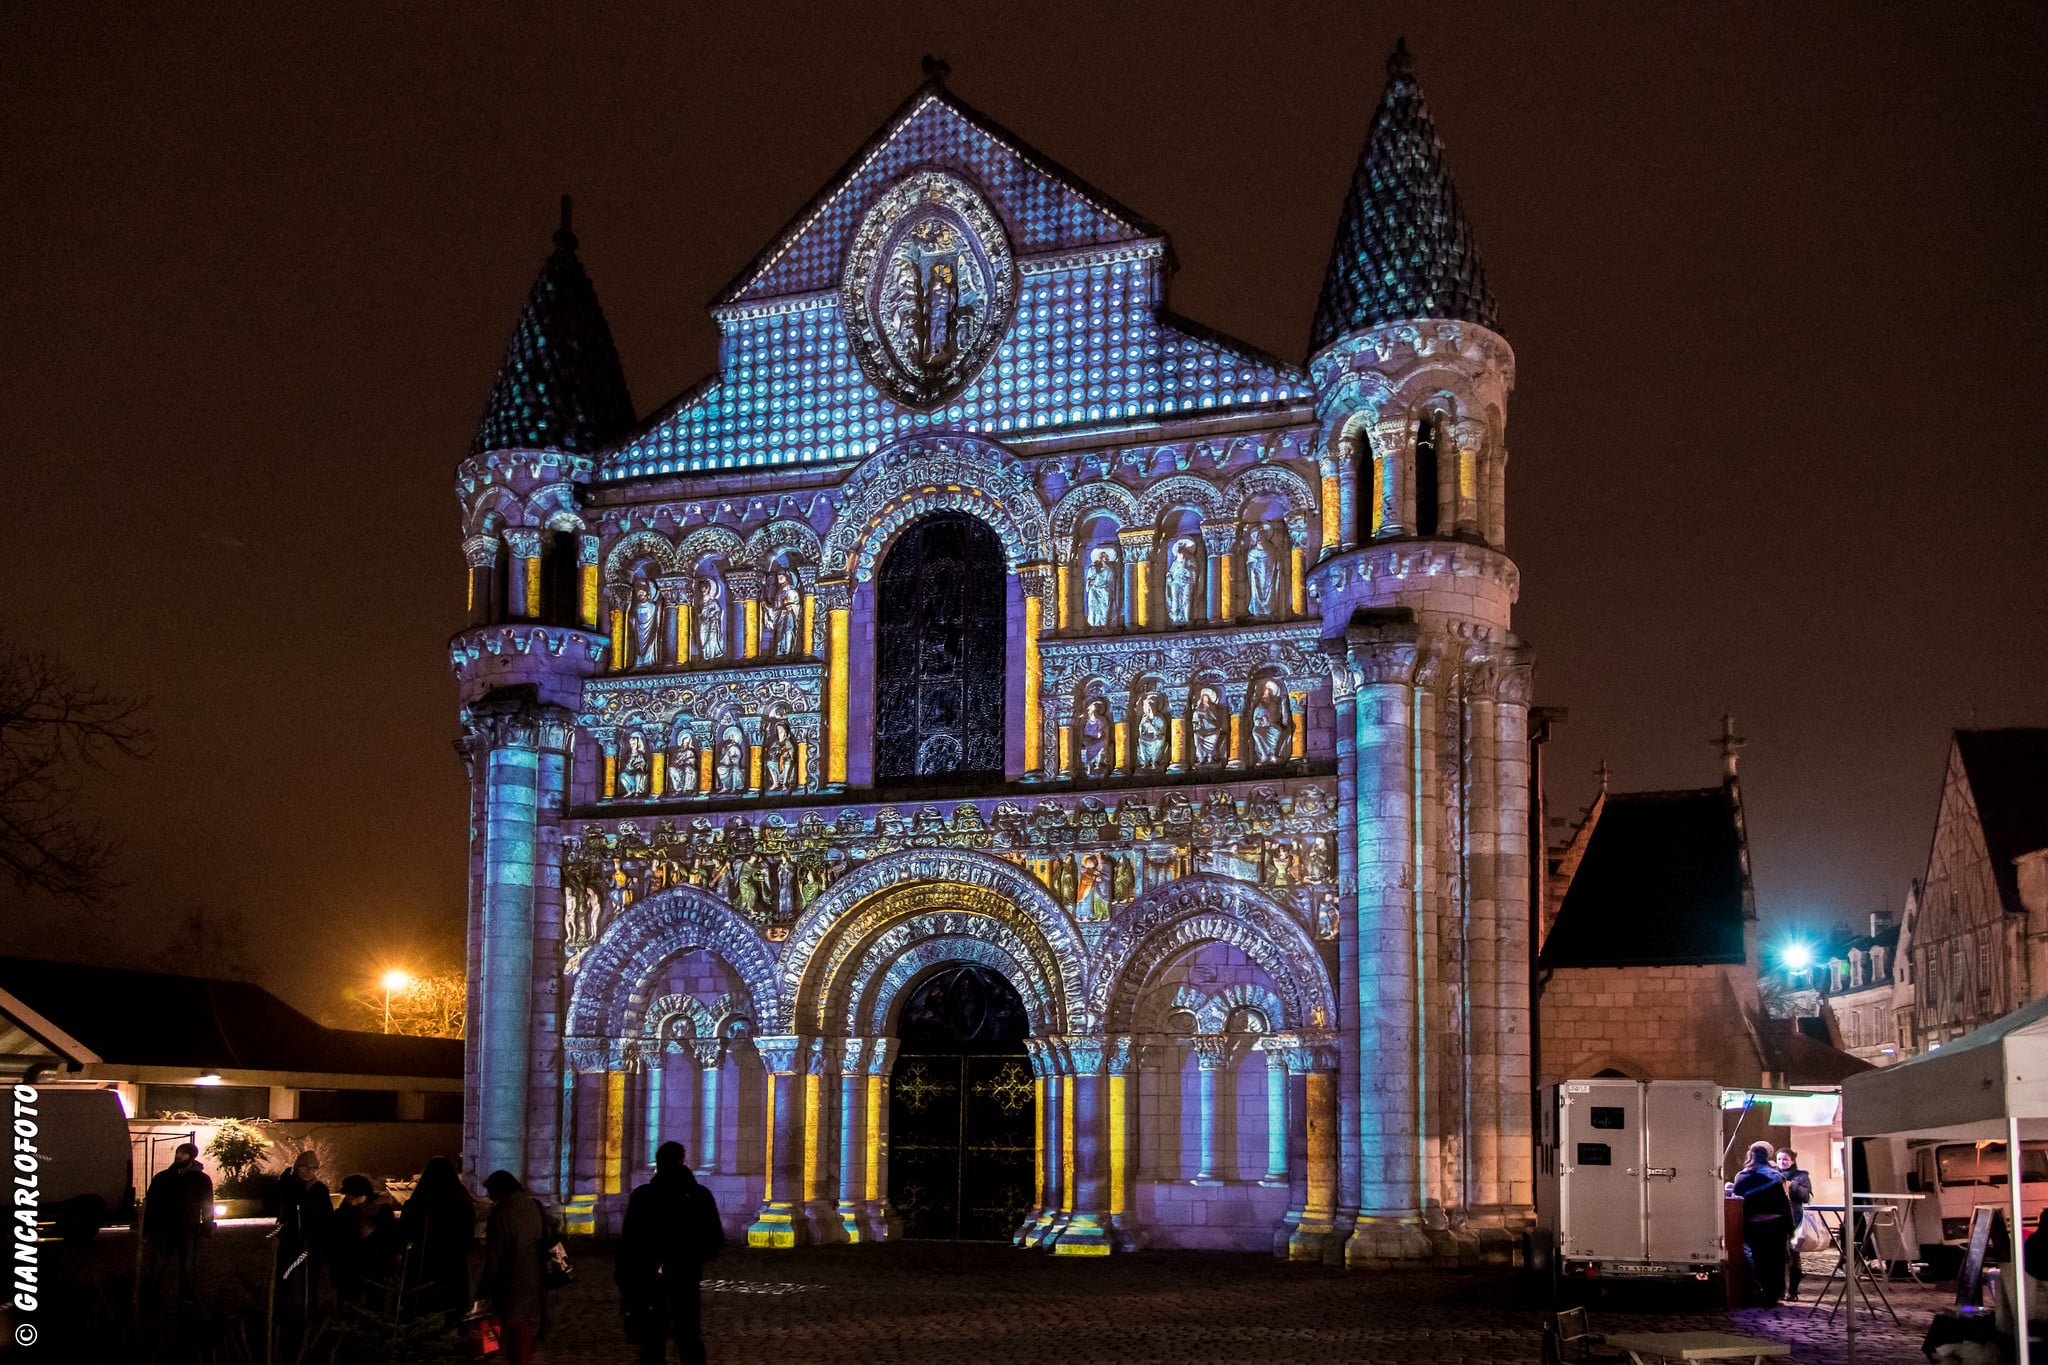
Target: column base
[1274, 1182]
[778, 1227]
[1310, 1238]
[822, 1217]
[848, 1216]
[1499, 1231]
[1205, 1180]
[579, 1215]
[1126, 1234]
[1086, 1234]
[1387, 1243]
[1031, 1229]
[879, 1222]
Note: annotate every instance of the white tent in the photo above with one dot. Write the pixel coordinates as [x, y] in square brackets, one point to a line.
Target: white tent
[1991, 1084]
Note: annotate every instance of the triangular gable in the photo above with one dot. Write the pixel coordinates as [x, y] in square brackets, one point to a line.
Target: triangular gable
[1044, 206]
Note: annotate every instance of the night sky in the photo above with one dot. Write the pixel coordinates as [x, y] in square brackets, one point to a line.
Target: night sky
[1773, 276]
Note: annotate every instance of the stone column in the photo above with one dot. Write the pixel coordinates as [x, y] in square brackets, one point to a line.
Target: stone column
[1467, 439]
[1344, 701]
[878, 1215]
[1123, 1061]
[709, 1055]
[821, 1141]
[1087, 1231]
[587, 571]
[1036, 578]
[1136, 551]
[653, 1066]
[1339, 494]
[853, 1126]
[1394, 440]
[1383, 661]
[1219, 541]
[836, 597]
[1513, 1185]
[522, 579]
[1276, 1117]
[743, 600]
[1212, 1059]
[1311, 1060]
[1496, 468]
[1047, 1070]
[515, 749]
[481, 554]
[780, 1222]
[1297, 564]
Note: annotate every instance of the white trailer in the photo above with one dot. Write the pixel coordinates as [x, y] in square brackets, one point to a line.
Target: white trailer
[1628, 1180]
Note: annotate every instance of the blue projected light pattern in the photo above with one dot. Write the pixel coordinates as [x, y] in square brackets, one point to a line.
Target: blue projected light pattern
[1087, 346]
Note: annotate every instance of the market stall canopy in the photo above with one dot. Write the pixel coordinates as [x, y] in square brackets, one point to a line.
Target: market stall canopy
[1967, 1089]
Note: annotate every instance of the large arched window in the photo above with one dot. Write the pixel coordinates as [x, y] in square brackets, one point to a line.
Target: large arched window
[1428, 442]
[939, 633]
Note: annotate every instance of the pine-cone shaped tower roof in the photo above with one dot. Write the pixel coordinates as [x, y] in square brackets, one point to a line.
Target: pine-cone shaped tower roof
[1404, 249]
[561, 387]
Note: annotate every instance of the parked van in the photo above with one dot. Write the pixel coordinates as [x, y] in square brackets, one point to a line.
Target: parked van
[1957, 1178]
[87, 1174]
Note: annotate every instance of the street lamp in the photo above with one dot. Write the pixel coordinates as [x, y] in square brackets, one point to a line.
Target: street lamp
[394, 980]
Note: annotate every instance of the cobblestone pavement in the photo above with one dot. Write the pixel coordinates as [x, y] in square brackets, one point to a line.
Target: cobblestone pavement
[965, 1303]
[936, 1302]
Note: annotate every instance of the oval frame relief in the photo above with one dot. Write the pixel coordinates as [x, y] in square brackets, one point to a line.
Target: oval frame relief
[928, 290]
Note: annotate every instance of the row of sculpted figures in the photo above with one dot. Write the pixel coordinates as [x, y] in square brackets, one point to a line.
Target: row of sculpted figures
[1178, 1054]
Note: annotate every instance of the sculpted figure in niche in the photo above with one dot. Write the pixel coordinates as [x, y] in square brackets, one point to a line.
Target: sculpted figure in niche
[1092, 888]
[1155, 734]
[1262, 573]
[636, 768]
[1180, 582]
[644, 621]
[731, 765]
[782, 613]
[711, 616]
[1098, 738]
[778, 758]
[682, 763]
[1099, 587]
[1270, 723]
[1210, 724]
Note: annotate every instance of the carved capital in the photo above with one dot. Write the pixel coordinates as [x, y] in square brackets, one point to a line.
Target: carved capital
[587, 551]
[853, 1054]
[1220, 539]
[708, 1053]
[781, 1053]
[1084, 1056]
[1306, 1051]
[882, 1055]
[834, 594]
[497, 722]
[1468, 435]
[1212, 1050]
[480, 552]
[1122, 1055]
[523, 541]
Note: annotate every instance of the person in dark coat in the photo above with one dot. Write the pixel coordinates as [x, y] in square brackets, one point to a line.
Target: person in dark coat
[364, 1243]
[176, 1213]
[671, 1229]
[305, 1213]
[512, 1286]
[1798, 1189]
[437, 1227]
[1766, 1224]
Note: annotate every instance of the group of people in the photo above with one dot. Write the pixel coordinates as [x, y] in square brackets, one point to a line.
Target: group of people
[373, 1248]
[370, 1247]
[1774, 1194]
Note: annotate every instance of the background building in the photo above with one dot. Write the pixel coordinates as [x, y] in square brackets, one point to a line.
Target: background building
[1975, 944]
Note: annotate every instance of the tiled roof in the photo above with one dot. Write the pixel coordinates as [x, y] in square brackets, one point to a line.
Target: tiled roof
[1661, 885]
[2008, 772]
[1404, 249]
[1045, 206]
[560, 387]
[155, 1019]
[1091, 341]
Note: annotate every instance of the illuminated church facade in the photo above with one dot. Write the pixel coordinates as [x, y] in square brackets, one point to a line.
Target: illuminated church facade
[999, 760]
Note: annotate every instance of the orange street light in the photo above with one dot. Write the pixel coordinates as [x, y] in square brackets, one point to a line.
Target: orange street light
[396, 979]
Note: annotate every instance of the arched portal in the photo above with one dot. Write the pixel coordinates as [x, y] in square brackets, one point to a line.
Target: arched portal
[961, 1107]
[939, 638]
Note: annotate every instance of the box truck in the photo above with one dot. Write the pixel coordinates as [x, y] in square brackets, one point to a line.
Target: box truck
[1628, 1181]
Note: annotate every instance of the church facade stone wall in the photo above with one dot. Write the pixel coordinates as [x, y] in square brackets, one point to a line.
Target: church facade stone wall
[982, 613]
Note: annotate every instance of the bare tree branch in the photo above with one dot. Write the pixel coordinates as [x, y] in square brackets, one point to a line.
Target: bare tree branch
[54, 727]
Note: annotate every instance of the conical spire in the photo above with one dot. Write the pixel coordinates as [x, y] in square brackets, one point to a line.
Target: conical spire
[560, 387]
[1404, 249]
